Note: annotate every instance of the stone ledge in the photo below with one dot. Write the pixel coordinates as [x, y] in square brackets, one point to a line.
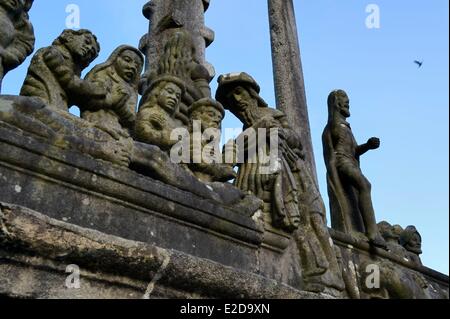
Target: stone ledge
[42, 243]
[121, 202]
[348, 242]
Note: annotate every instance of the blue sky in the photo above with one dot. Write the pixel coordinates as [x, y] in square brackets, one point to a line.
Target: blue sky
[390, 97]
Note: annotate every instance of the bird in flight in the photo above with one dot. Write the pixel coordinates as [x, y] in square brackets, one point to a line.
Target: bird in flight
[419, 63]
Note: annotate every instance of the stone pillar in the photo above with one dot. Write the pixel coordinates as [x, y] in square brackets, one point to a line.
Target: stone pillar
[168, 15]
[288, 73]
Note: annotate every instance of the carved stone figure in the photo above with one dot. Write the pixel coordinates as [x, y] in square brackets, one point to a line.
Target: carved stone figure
[178, 59]
[208, 114]
[172, 16]
[349, 190]
[16, 34]
[119, 75]
[394, 282]
[290, 194]
[54, 73]
[63, 130]
[411, 240]
[159, 113]
[391, 234]
[66, 131]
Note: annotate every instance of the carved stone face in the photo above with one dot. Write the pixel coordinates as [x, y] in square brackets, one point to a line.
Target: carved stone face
[84, 47]
[209, 116]
[128, 65]
[343, 105]
[244, 103]
[414, 244]
[169, 96]
[397, 231]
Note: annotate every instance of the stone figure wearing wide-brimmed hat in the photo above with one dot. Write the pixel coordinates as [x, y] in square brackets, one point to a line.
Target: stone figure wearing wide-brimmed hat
[119, 76]
[291, 197]
[16, 34]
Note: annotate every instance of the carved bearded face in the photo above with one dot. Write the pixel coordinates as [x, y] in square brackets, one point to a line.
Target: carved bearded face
[169, 97]
[244, 102]
[128, 65]
[414, 244]
[84, 48]
[343, 105]
[209, 116]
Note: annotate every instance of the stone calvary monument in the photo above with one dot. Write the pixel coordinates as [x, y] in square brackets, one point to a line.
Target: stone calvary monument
[138, 201]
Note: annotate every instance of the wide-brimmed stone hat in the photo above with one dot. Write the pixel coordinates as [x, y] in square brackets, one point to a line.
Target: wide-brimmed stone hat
[204, 102]
[228, 82]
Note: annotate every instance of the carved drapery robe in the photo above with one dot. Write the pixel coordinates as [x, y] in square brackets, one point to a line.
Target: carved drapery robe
[343, 198]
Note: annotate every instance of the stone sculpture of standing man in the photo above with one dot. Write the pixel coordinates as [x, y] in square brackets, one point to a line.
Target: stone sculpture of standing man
[16, 34]
[349, 190]
[290, 194]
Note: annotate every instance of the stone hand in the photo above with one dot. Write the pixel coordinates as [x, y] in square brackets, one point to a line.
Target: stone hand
[266, 122]
[373, 143]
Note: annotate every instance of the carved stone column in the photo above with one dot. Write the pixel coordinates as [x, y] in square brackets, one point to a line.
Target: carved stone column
[168, 15]
[288, 73]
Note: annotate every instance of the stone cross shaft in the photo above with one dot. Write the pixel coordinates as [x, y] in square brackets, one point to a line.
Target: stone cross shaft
[288, 73]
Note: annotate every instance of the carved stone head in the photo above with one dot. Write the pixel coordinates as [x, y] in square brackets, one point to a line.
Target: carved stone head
[390, 233]
[166, 91]
[127, 62]
[411, 240]
[338, 103]
[239, 93]
[208, 111]
[82, 45]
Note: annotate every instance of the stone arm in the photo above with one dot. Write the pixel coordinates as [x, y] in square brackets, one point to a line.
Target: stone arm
[78, 89]
[151, 128]
[372, 143]
[127, 110]
[117, 99]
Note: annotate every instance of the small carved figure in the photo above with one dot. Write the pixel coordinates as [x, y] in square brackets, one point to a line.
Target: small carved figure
[411, 240]
[158, 113]
[66, 131]
[391, 234]
[209, 115]
[349, 190]
[289, 194]
[54, 73]
[394, 282]
[16, 34]
[119, 76]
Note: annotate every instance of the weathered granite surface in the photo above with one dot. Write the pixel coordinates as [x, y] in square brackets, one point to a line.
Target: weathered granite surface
[35, 251]
[94, 214]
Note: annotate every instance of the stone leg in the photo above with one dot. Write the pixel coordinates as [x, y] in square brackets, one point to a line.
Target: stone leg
[354, 176]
